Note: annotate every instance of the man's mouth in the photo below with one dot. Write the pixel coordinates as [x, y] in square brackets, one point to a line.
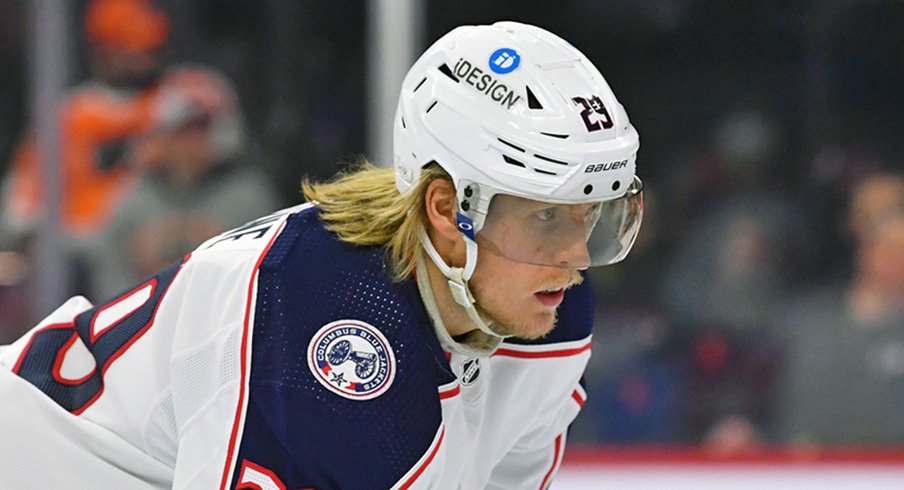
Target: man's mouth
[551, 297]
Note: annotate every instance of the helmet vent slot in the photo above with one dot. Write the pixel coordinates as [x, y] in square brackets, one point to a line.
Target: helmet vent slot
[551, 160]
[444, 68]
[432, 106]
[511, 161]
[554, 135]
[511, 145]
[403, 123]
[419, 84]
[544, 172]
[532, 101]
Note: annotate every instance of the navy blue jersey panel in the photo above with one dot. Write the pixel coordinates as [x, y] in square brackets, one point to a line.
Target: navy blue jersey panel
[307, 434]
[310, 444]
[574, 320]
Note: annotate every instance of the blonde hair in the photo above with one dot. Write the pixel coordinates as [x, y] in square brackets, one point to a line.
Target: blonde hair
[363, 207]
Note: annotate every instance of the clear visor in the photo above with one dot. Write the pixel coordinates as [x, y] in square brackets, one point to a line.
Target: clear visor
[563, 235]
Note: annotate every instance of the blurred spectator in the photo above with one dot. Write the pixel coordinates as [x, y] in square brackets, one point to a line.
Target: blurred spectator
[740, 153]
[126, 40]
[874, 200]
[204, 183]
[97, 118]
[731, 269]
[844, 379]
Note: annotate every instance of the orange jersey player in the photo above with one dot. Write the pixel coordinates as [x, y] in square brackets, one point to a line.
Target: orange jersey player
[97, 120]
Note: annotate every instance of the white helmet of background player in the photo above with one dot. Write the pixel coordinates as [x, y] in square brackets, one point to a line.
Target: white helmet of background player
[511, 109]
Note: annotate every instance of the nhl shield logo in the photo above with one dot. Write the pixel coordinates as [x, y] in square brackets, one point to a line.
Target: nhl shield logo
[470, 370]
[352, 359]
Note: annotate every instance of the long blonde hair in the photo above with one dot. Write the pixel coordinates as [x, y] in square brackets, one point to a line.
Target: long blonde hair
[363, 207]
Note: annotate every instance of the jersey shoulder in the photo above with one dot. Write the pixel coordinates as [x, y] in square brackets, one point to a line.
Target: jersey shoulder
[342, 360]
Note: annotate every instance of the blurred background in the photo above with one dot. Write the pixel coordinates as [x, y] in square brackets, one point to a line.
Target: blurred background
[763, 303]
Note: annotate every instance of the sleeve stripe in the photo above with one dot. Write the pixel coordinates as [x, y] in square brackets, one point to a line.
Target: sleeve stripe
[423, 466]
[242, 402]
[556, 459]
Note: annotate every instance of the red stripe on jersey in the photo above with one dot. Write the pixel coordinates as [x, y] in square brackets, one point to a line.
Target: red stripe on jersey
[556, 458]
[425, 464]
[450, 393]
[578, 397]
[523, 354]
[243, 369]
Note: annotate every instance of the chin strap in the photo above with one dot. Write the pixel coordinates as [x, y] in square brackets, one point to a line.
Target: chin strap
[458, 280]
[479, 344]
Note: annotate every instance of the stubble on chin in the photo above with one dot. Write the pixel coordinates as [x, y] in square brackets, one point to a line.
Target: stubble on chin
[536, 327]
[523, 329]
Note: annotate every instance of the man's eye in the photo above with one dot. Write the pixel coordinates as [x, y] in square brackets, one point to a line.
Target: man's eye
[547, 214]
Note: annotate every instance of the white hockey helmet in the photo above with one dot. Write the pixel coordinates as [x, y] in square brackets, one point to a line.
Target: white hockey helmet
[512, 109]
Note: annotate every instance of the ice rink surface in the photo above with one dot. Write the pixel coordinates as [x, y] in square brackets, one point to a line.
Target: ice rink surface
[777, 468]
[721, 477]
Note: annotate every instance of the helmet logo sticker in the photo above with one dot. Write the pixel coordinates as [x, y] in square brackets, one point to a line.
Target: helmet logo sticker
[593, 107]
[485, 83]
[605, 167]
[352, 359]
[504, 60]
[465, 226]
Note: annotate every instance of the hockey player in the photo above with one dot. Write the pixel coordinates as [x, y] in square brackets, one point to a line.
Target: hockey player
[416, 327]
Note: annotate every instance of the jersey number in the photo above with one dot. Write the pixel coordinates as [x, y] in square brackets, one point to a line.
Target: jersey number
[107, 331]
[594, 109]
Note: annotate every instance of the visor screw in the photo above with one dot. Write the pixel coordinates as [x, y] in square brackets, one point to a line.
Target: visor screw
[469, 191]
[588, 189]
[616, 185]
[465, 205]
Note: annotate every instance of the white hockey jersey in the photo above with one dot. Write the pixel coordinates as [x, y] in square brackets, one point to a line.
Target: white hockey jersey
[276, 356]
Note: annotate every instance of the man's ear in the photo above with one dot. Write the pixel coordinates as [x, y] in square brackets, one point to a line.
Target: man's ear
[440, 204]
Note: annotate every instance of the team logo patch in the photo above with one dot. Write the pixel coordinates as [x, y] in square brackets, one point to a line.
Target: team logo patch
[352, 359]
[504, 60]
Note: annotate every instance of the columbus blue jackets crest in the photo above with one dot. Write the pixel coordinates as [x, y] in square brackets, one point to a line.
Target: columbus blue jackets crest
[352, 359]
